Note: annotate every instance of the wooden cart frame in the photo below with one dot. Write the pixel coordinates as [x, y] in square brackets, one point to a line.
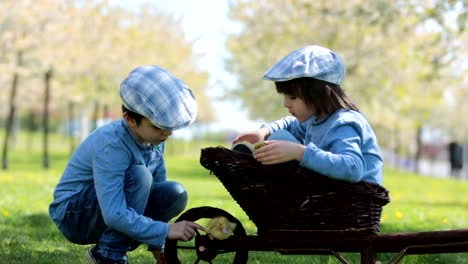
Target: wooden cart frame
[292, 243]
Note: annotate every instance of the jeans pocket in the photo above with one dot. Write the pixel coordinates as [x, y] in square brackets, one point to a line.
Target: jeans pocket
[82, 223]
[70, 228]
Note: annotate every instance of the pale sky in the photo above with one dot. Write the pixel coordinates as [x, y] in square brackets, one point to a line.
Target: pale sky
[206, 22]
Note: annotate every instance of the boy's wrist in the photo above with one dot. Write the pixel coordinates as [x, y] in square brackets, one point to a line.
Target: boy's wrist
[158, 255]
[265, 132]
[302, 149]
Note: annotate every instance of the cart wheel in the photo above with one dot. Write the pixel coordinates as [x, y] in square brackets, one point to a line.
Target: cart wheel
[206, 249]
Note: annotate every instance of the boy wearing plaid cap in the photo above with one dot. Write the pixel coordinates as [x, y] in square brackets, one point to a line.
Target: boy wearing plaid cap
[114, 192]
[325, 131]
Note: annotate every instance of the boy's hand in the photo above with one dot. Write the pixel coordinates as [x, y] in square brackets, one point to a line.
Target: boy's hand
[279, 151]
[252, 136]
[183, 230]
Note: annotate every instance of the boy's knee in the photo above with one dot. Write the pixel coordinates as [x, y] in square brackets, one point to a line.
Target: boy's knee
[283, 135]
[176, 188]
[167, 200]
[179, 195]
[178, 191]
[141, 177]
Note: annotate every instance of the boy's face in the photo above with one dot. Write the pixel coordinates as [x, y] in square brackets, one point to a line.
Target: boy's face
[146, 132]
[297, 107]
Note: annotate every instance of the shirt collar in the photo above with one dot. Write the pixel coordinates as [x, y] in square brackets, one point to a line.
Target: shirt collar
[317, 121]
[129, 132]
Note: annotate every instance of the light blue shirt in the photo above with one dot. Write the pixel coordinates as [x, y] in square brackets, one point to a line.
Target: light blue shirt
[102, 159]
[342, 146]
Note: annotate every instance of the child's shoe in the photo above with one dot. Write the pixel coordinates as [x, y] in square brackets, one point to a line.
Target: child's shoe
[95, 258]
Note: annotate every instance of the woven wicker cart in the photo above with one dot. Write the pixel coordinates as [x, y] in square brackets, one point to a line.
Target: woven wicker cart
[296, 211]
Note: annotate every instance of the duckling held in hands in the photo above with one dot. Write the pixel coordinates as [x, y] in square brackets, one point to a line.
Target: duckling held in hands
[247, 147]
[220, 228]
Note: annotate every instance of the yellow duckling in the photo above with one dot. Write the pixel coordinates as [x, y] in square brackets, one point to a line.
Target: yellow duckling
[247, 147]
[220, 228]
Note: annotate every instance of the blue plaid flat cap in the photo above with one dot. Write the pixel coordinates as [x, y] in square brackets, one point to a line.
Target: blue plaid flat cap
[310, 61]
[156, 94]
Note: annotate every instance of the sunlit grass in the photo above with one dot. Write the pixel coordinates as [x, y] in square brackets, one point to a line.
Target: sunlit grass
[424, 203]
[27, 235]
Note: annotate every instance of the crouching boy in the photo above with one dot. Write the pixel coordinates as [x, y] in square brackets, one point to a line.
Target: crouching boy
[113, 192]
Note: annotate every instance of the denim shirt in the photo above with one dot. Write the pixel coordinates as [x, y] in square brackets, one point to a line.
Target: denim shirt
[102, 159]
[342, 145]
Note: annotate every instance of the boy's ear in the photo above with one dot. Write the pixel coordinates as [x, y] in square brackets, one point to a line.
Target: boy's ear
[130, 120]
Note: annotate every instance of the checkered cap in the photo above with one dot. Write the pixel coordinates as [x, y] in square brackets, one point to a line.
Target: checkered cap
[310, 61]
[156, 94]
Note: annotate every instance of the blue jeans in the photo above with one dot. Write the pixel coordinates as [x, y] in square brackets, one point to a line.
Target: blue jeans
[283, 135]
[83, 222]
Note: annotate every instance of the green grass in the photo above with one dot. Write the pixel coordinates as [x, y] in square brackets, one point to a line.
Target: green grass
[27, 235]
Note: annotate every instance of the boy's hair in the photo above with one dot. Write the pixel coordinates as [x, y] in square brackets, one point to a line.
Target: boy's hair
[325, 97]
[133, 115]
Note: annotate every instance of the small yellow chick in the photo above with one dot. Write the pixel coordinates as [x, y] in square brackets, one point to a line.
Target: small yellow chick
[258, 145]
[220, 228]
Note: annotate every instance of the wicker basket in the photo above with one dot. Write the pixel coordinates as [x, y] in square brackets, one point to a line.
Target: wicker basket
[287, 198]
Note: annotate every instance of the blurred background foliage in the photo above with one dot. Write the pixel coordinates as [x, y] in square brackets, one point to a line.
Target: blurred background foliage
[406, 61]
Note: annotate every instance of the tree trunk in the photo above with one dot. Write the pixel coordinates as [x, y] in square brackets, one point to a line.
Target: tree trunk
[11, 114]
[417, 156]
[32, 127]
[71, 127]
[95, 115]
[394, 147]
[47, 77]
[105, 112]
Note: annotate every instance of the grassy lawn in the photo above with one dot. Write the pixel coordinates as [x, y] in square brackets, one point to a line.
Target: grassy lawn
[27, 235]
